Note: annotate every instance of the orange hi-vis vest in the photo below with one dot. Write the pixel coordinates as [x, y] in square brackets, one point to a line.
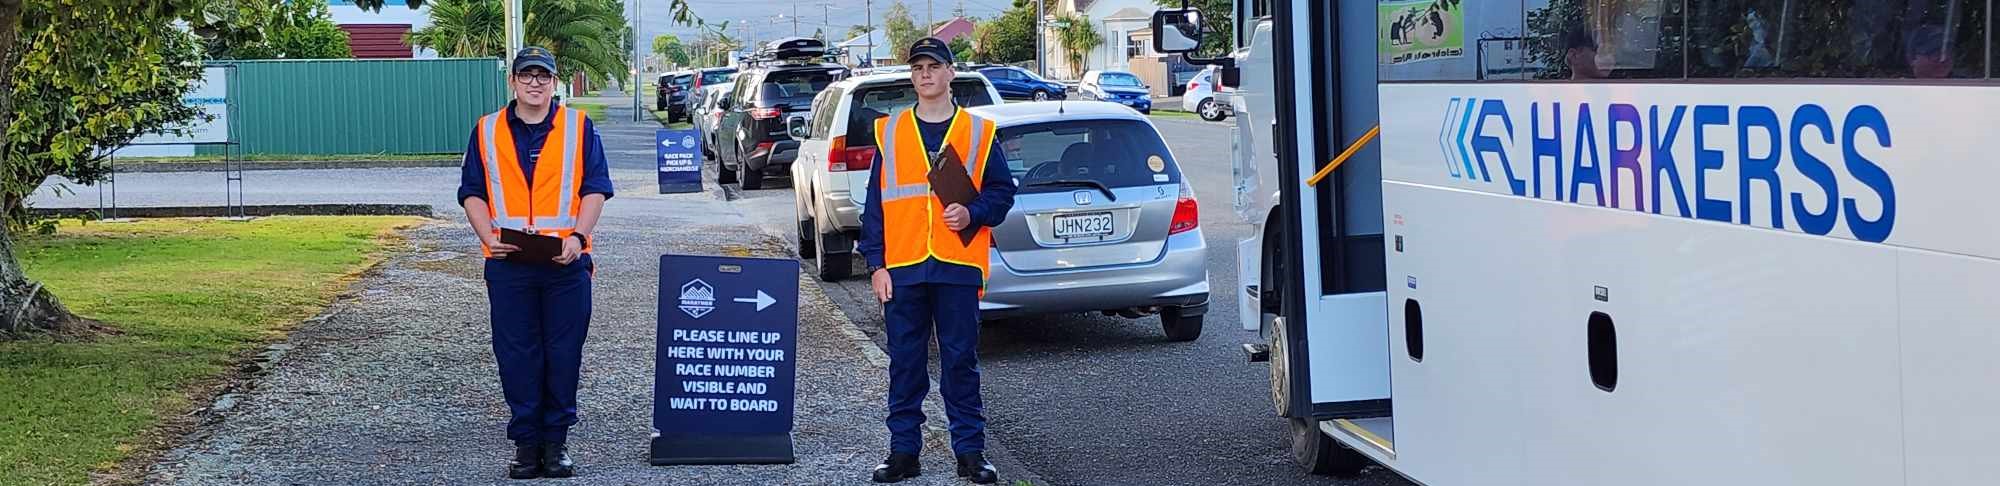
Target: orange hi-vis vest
[549, 206]
[913, 228]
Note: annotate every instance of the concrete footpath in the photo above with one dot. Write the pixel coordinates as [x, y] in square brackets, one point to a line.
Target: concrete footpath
[396, 383]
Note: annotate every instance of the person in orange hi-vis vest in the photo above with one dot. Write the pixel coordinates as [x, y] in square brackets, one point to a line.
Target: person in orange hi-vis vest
[925, 275]
[537, 167]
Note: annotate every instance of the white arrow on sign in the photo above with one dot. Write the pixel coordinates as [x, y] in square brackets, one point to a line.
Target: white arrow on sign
[762, 300]
[669, 143]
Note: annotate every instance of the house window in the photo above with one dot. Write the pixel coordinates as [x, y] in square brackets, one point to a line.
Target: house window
[1133, 47]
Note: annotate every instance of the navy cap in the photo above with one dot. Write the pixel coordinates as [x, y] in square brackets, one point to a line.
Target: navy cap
[534, 57]
[932, 47]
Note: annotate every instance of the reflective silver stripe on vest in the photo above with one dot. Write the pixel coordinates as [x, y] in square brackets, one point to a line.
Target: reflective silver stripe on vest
[572, 136]
[978, 148]
[502, 217]
[891, 191]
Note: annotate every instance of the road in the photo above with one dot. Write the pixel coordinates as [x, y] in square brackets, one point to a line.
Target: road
[1085, 399]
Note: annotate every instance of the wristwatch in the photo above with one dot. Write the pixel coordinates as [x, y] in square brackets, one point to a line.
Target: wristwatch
[581, 238]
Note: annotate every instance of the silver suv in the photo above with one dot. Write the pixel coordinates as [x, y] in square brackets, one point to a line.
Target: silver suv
[1104, 220]
[836, 148]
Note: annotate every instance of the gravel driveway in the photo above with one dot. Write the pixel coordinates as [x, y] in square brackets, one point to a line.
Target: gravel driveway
[396, 383]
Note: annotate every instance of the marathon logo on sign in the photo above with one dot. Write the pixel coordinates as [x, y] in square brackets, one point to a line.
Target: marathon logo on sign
[1716, 162]
[697, 298]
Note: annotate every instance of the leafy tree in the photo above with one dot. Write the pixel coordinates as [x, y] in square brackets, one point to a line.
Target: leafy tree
[1217, 23]
[670, 49]
[961, 48]
[72, 97]
[1077, 36]
[856, 31]
[1008, 38]
[302, 29]
[820, 34]
[902, 29]
[586, 36]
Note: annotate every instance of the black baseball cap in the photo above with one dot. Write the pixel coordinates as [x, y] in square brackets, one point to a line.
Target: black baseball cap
[532, 56]
[932, 47]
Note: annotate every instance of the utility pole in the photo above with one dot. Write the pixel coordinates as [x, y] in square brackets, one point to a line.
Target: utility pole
[930, 17]
[513, 32]
[638, 114]
[795, 18]
[869, 58]
[1040, 70]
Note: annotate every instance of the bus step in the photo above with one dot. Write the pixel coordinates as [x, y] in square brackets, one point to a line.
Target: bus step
[1257, 352]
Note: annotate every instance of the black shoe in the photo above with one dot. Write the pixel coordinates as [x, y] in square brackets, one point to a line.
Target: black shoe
[555, 461]
[898, 467]
[527, 463]
[973, 466]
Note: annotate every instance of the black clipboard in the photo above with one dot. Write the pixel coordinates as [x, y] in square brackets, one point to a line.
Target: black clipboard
[534, 249]
[953, 185]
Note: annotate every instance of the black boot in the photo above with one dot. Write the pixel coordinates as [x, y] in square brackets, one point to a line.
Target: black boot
[973, 466]
[897, 467]
[555, 461]
[527, 463]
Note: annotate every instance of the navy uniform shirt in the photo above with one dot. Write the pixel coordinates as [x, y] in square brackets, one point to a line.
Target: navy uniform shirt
[996, 197]
[528, 140]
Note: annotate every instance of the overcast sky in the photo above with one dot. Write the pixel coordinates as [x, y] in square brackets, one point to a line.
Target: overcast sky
[763, 20]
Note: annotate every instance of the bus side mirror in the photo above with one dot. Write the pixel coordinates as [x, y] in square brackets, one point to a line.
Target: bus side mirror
[1176, 31]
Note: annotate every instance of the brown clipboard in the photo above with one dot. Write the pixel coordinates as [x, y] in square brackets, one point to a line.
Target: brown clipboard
[953, 185]
[534, 249]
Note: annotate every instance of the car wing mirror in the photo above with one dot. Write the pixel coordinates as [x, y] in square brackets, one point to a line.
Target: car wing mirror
[1179, 30]
[796, 127]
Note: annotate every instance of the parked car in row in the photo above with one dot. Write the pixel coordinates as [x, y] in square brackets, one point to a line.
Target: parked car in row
[705, 78]
[1017, 83]
[1104, 219]
[836, 150]
[1206, 96]
[1117, 87]
[708, 114]
[670, 95]
[751, 140]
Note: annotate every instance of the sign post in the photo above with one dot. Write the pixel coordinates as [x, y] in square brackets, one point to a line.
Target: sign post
[678, 154]
[724, 370]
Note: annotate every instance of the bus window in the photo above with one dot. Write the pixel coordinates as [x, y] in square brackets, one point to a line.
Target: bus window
[1600, 39]
[1883, 39]
[1447, 40]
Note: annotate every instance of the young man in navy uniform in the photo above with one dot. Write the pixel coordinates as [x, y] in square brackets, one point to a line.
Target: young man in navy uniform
[537, 167]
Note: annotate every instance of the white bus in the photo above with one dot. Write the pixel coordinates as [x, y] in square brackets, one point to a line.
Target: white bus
[1625, 242]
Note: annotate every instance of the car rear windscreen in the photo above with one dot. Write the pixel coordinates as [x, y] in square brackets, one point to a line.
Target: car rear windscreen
[795, 87]
[1116, 153]
[683, 80]
[713, 77]
[878, 101]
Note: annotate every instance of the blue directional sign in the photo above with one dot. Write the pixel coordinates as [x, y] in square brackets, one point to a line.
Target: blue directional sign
[678, 153]
[724, 370]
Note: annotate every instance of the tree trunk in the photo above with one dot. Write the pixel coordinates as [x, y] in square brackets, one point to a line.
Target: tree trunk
[25, 307]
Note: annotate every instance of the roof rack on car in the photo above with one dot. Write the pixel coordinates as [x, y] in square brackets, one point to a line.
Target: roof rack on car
[794, 51]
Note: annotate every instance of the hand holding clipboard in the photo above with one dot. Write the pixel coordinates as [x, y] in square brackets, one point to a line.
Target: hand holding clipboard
[953, 185]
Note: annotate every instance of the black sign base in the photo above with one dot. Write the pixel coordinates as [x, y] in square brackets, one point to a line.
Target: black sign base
[671, 450]
[678, 188]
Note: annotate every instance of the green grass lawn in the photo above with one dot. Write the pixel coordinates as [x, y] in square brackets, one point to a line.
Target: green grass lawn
[593, 110]
[661, 116]
[186, 297]
[1178, 115]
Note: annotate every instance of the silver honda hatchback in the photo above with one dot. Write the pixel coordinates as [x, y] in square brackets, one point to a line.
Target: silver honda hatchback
[1103, 221]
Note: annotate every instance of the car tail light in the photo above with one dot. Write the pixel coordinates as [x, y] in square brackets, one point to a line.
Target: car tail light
[762, 147]
[1187, 213]
[765, 113]
[842, 159]
[1194, 85]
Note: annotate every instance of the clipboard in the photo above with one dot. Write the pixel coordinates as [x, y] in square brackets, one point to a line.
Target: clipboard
[953, 185]
[535, 249]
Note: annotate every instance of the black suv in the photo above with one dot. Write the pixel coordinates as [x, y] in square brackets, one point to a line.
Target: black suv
[779, 82]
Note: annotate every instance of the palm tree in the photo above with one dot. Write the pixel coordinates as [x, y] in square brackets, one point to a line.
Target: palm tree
[1078, 37]
[587, 36]
[463, 28]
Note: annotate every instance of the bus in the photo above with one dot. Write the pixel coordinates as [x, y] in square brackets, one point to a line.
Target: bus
[1632, 242]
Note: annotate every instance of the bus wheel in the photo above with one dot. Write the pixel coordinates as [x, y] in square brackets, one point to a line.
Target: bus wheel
[1320, 454]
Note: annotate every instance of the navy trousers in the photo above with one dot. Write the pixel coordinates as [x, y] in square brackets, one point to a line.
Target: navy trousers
[540, 316]
[909, 319]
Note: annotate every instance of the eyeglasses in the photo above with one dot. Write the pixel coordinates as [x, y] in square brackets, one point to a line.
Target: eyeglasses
[536, 78]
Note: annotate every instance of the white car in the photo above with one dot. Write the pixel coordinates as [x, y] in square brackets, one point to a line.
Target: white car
[1206, 96]
[706, 115]
[836, 148]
